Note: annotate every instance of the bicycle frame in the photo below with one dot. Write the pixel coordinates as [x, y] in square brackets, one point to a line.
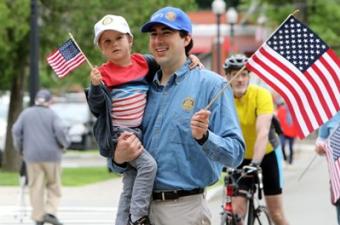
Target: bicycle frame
[231, 189]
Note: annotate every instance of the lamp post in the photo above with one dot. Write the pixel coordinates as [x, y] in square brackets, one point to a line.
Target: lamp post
[218, 7]
[34, 52]
[261, 34]
[231, 16]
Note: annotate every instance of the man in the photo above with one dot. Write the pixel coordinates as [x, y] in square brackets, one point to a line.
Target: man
[39, 135]
[255, 109]
[190, 144]
[327, 130]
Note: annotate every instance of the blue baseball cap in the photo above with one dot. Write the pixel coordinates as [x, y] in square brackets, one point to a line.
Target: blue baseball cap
[171, 17]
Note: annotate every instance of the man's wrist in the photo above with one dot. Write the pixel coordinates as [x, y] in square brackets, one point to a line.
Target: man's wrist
[255, 163]
[203, 139]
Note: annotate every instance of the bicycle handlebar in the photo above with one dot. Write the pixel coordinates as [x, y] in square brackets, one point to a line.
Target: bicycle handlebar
[249, 170]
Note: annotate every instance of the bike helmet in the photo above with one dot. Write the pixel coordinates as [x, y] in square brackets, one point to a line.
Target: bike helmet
[235, 62]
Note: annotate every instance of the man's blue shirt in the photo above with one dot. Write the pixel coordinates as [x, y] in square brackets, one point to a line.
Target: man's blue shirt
[326, 128]
[182, 162]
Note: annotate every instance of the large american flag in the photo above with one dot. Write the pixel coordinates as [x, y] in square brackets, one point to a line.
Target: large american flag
[66, 58]
[300, 67]
[333, 157]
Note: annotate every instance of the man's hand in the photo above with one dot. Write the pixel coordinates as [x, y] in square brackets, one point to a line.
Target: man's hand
[320, 149]
[96, 77]
[128, 148]
[200, 124]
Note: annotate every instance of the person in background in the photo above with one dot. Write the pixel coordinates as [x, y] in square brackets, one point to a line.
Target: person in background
[41, 137]
[189, 143]
[254, 106]
[289, 131]
[320, 148]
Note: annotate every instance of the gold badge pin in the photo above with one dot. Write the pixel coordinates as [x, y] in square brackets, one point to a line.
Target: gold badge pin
[107, 20]
[188, 104]
[171, 16]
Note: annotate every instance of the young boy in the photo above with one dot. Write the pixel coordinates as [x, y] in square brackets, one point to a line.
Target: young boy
[117, 96]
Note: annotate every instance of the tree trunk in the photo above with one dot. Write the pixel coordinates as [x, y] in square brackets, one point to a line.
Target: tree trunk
[12, 159]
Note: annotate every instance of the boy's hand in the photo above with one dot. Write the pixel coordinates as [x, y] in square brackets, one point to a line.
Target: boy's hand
[200, 124]
[128, 148]
[195, 62]
[96, 77]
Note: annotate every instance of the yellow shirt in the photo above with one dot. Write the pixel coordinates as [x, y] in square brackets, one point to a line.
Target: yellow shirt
[256, 101]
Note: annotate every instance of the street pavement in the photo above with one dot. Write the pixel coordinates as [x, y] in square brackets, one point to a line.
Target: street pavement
[306, 200]
[306, 196]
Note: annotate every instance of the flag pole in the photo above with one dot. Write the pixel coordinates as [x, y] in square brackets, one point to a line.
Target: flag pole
[307, 167]
[75, 42]
[224, 88]
[244, 67]
[295, 12]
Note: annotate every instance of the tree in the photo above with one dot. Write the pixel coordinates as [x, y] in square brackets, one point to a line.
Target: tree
[57, 18]
[13, 64]
[319, 15]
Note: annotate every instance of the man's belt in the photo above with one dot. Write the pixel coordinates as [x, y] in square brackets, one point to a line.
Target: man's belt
[172, 195]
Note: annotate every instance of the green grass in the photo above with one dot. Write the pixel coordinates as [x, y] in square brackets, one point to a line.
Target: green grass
[70, 177]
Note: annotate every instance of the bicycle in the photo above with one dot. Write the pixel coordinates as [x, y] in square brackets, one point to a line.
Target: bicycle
[257, 212]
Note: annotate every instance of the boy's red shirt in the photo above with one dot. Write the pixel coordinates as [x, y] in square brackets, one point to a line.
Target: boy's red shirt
[114, 75]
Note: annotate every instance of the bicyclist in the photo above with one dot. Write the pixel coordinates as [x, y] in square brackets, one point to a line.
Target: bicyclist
[255, 109]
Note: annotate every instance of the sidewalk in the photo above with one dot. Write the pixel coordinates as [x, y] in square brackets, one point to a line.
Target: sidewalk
[92, 204]
[96, 204]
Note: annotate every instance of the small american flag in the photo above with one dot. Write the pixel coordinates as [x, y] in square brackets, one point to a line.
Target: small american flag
[66, 58]
[299, 66]
[333, 157]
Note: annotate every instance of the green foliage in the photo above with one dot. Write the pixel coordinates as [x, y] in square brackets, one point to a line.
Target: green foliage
[319, 15]
[60, 17]
[324, 22]
[57, 18]
[14, 36]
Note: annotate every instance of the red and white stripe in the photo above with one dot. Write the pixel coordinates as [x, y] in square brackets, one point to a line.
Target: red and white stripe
[334, 173]
[61, 66]
[128, 112]
[312, 97]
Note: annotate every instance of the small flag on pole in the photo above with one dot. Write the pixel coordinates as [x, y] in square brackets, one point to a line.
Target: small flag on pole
[333, 157]
[66, 58]
[300, 67]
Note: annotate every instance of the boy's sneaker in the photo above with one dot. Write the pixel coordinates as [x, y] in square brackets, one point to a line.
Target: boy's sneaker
[49, 218]
[142, 221]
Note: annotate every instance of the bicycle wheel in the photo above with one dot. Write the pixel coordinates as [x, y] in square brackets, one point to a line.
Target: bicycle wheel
[228, 219]
[261, 216]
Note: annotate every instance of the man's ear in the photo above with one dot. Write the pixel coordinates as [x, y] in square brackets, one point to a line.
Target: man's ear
[187, 40]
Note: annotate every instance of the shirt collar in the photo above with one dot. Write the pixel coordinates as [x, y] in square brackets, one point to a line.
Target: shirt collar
[177, 77]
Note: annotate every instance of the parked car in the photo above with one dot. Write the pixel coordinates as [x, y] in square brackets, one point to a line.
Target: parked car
[79, 121]
[3, 127]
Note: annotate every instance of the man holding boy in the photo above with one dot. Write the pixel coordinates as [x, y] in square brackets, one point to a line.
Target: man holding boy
[189, 143]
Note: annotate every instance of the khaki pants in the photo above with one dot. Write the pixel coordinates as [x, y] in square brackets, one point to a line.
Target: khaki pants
[189, 210]
[44, 182]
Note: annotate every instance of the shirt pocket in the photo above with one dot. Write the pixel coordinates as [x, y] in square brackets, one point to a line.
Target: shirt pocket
[180, 132]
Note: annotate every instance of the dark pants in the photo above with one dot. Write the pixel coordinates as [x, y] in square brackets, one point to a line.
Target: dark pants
[290, 140]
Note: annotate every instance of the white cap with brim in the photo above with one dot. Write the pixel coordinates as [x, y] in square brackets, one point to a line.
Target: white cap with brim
[111, 22]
